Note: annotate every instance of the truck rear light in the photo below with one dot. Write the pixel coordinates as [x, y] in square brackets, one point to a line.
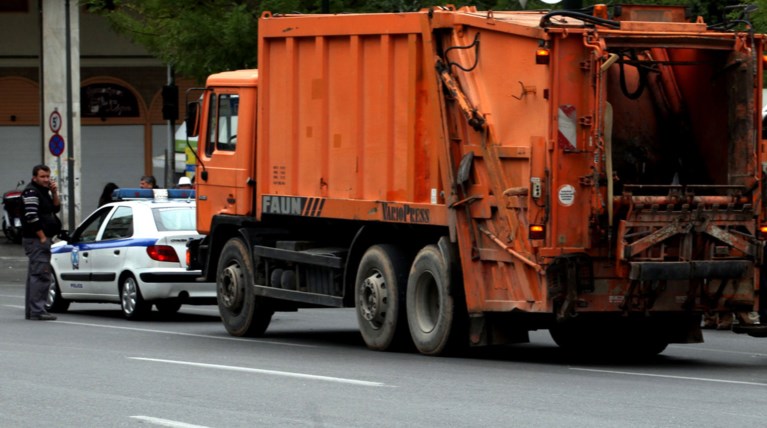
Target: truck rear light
[188, 257]
[764, 62]
[537, 231]
[162, 253]
[542, 56]
[763, 231]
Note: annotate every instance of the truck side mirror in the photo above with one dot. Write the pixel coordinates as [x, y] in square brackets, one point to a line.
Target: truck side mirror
[193, 119]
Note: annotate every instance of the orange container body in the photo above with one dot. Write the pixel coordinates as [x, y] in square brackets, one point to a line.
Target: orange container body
[349, 112]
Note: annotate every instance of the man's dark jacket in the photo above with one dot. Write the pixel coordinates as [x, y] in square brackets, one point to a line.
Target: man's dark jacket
[39, 212]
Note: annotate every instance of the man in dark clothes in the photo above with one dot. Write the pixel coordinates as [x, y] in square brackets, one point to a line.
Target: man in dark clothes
[148, 182]
[39, 225]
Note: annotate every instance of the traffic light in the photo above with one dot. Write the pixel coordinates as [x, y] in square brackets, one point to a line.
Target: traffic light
[170, 102]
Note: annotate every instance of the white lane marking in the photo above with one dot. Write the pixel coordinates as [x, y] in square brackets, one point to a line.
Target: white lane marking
[175, 333]
[11, 295]
[166, 422]
[14, 306]
[699, 379]
[721, 351]
[267, 372]
[196, 309]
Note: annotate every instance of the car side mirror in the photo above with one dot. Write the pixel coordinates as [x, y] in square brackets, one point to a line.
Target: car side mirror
[64, 236]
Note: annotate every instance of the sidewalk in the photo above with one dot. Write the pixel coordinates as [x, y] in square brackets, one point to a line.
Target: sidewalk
[13, 262]
[9, 249]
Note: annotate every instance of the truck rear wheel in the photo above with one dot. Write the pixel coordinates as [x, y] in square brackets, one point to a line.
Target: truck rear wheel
[379, 293]
[243, 313]
[431, 309]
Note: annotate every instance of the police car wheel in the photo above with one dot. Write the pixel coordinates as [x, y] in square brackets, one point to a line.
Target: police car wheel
[54, 302]
[133, 305]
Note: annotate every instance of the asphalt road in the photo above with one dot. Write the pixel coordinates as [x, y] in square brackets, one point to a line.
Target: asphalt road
[93, 368]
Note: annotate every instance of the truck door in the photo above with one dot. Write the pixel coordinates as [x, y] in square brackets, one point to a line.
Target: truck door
[224, 182]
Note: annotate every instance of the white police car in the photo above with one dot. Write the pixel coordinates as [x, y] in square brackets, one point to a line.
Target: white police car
[131, 252]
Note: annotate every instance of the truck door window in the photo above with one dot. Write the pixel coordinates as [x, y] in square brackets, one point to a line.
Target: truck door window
[212, 115]
[228, 106]
[222, 123]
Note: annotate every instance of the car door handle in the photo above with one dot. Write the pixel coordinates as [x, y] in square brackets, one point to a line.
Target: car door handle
[117, 252]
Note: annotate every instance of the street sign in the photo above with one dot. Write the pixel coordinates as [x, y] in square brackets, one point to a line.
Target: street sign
[56, 145]
[54, 121]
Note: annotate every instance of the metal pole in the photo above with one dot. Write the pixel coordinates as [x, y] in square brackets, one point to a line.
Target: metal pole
[170, 150]
[70, 125]
[41, 79]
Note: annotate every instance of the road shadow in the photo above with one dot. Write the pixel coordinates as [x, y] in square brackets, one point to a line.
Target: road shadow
[154, 316]
[536, 352]
[345, 338]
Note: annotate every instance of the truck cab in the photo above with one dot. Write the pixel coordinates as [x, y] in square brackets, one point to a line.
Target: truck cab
[225, 180]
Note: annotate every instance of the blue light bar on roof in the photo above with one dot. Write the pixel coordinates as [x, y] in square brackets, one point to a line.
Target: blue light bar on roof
[152, 194]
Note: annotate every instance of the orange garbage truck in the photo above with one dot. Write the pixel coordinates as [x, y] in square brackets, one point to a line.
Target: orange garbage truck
[463, 177]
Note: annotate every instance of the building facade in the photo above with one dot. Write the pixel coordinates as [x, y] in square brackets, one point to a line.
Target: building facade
[122, 136]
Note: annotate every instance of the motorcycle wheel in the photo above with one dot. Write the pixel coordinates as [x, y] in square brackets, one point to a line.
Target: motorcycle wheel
[6, 230]
[11, 232]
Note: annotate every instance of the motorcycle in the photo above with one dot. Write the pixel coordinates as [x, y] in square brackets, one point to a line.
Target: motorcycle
[13, 209]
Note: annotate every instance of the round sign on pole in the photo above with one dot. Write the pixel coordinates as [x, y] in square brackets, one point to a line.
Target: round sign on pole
[54, 121]
[56, 145]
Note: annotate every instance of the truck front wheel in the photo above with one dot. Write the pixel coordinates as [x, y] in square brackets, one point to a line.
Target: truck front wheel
[431, 310]
[243, 313]
[379, 295]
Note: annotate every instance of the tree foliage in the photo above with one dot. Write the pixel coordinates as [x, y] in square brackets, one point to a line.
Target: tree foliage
[200, 37]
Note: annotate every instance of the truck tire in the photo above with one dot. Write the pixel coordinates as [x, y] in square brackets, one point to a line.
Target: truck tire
[243, 313]
[431, 309]
[379, 296]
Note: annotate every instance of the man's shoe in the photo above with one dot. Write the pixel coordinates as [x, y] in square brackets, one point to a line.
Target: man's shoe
[43, 317]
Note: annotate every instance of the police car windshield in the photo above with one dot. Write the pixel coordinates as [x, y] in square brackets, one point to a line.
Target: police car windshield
[174, 218]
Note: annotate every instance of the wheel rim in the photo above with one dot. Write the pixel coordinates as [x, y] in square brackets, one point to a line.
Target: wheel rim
[427, 303]
[230, 287]
[130, 292]
[51, 298]
[374, 299]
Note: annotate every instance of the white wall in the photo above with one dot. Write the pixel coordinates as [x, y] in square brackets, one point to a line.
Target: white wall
[20, 149]
[110, 153]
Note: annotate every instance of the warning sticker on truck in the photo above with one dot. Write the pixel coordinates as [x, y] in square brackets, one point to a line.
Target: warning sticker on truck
[566, 195]
[567, 132]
